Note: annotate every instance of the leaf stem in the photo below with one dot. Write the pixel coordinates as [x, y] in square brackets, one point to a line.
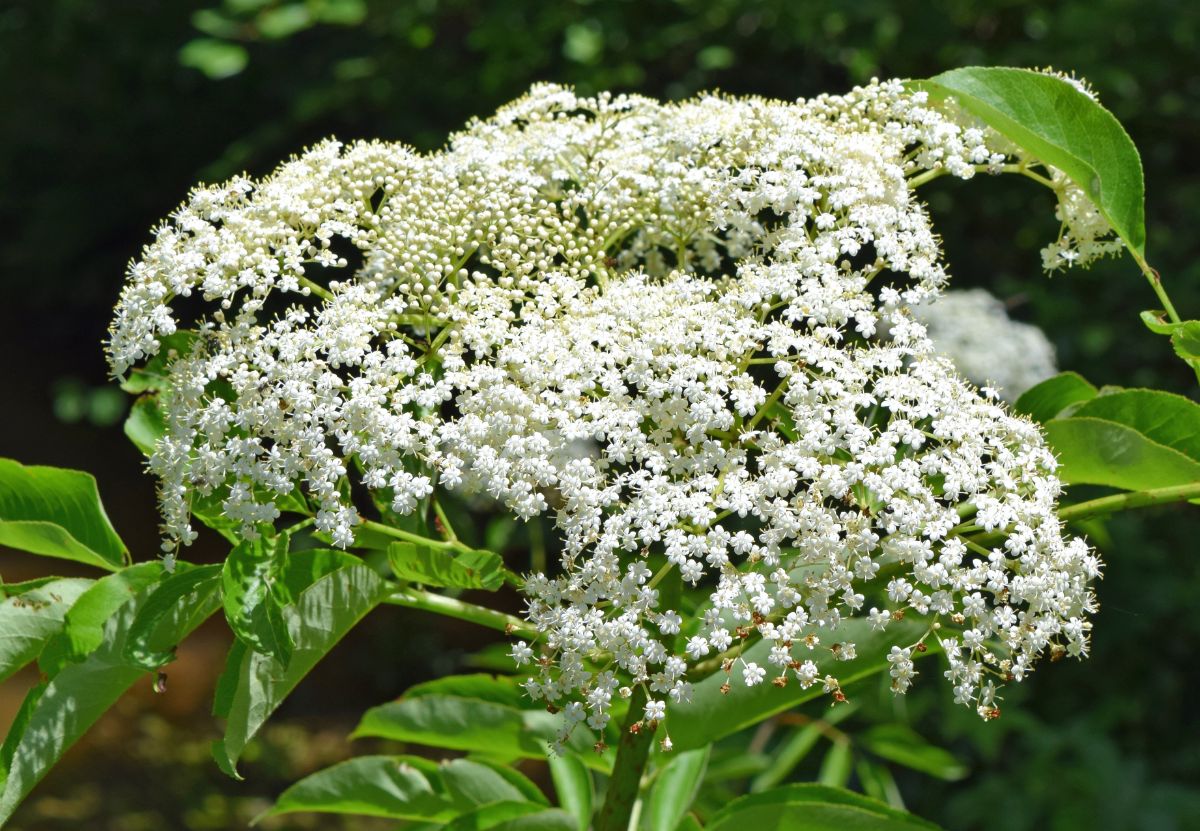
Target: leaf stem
[632, 754]
[455, 608]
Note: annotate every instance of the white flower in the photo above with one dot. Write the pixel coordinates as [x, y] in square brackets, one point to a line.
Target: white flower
[972, 328]
[753, 674]
[654, 323]
[656, 710]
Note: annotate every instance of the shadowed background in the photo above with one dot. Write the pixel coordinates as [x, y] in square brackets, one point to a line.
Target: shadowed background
[111, 111]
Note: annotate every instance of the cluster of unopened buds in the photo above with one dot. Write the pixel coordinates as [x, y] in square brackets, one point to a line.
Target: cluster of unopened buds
[684, 332]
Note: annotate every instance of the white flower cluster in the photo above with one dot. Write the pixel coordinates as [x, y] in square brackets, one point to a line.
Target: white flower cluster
[687, 288]
[972, 328]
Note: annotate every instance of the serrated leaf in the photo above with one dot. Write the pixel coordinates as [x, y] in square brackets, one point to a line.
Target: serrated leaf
[1051, 397]
[676, 787]
[474, 725]
[513, 816]
[495, 688]
[900, 744]
[321, 616]
[180, 603]
[476, 783]
[1186, 340]
[813, 808]
[1094, 451]
[28, 619]
[1165, 418]
[446, 567]
[1059, 124]
[56, 512]
[377, 786]
[59, 711]
[86, 622]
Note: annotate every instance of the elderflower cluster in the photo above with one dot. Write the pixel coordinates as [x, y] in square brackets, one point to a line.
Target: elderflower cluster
[694, 292]
[972, 328]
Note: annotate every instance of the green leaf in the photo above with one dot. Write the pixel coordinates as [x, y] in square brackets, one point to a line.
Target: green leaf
[377, 786]
[446, 567]
[144, 425]
[86, 622]
[215, 58]
[1095, 451]
[30, 618]
[152, 376]
[476, 783]
[835, 767]
[813, 808]
[59, 711]
[253, 603]
[1057, 123]
[877, 782]
[57, 513]
[1185, 335]
[676, 787]
[513, 816]
[303, 568]
[284, 21]
[181, 602]
[1165, 418]
[1048, 399]
[498, 689]
[474, 725]
[515, 779]
[795, 747]
[573, 785]
[341, 12]
[711, 714]
[1186, 340]
[322, 614]
[900, 744]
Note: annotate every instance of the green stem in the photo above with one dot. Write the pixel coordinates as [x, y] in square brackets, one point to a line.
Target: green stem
[1156, 284]
[408, 536]
[319, 291]
[447, 528]
[452, 607]
[1107, 505]
[1127, 501]
[632, 753]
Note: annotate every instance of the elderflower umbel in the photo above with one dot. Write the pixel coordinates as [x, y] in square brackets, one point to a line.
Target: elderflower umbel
[654, 323]
[972, 328]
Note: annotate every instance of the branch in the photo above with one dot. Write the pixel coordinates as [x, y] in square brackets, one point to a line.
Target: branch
[1128, 501]
[452, 607]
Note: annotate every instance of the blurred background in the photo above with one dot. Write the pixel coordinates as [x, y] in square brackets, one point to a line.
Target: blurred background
[110, 111]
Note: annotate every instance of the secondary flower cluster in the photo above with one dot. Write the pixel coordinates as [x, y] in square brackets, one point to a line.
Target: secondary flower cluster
[692, 292]
[972, 328]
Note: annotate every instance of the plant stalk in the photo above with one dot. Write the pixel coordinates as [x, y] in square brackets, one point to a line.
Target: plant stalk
[452, 607]
[1127, 501]
[632, 754]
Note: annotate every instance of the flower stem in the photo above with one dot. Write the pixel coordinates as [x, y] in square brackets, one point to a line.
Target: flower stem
[452, 607]
[632, 754]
